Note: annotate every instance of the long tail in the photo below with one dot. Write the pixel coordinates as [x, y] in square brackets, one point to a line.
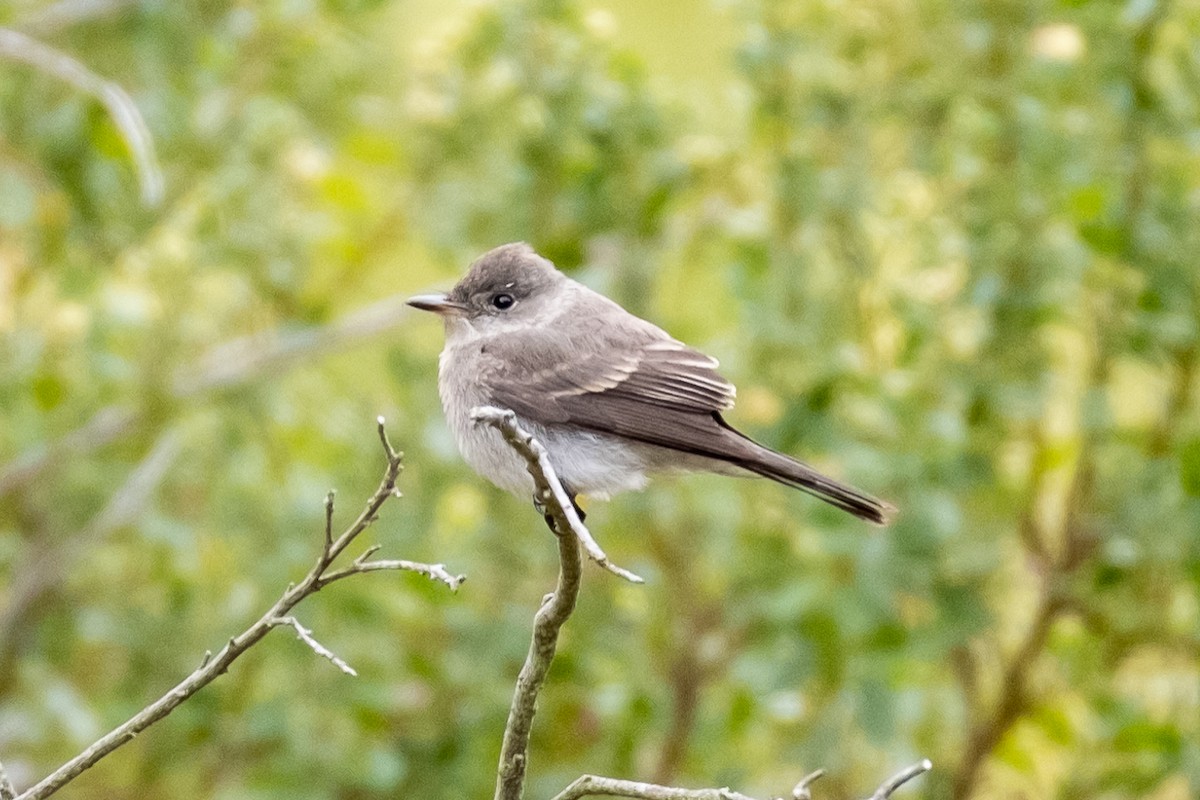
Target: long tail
[790, 472]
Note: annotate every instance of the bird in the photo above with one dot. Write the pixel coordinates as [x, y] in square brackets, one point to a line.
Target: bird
[613, 398]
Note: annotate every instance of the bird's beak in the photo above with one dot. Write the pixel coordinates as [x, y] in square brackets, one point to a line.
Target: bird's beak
[437, 303]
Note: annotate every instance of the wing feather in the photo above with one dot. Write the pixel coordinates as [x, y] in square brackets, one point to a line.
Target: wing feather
[634, 381]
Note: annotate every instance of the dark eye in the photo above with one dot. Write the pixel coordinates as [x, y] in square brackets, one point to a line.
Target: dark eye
[503, 301]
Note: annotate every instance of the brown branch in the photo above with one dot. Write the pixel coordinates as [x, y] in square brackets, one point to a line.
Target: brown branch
[687, 679]
[214, 665]
[692, 661]
[17, 46]
[966, 671]
[1013, 699]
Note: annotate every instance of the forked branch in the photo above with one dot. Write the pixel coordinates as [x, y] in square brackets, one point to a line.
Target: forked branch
[278, 615]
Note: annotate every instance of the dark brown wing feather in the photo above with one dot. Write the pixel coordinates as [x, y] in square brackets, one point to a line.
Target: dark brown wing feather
[635, 381]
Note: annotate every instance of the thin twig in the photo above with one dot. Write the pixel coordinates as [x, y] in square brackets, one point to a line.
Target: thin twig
[546, 483]
[435, 572]
[305, 635]
[329, 520]
[597, 786]
[888, 787]
[18, 46]
[214, 665]
[803, 789]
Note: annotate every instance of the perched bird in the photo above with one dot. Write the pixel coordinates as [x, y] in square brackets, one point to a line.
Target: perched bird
[610, 396]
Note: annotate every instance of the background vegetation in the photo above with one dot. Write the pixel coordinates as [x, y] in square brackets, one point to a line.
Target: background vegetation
[945, 249]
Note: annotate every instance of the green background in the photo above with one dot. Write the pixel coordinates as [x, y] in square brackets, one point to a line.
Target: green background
[946, 250]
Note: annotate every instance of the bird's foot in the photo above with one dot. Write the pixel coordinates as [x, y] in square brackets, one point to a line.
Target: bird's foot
[540, 506]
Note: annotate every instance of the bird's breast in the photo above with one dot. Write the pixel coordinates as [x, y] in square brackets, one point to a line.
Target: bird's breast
[462, 388]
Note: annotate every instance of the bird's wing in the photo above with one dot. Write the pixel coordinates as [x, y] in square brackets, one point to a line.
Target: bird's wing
[633, 381]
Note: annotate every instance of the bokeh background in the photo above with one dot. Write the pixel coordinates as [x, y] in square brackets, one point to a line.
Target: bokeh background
[946, 250]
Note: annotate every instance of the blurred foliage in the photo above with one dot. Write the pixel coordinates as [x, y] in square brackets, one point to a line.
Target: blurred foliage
[945, 249]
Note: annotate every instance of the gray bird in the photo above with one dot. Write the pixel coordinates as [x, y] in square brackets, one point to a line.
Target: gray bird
[612, 397]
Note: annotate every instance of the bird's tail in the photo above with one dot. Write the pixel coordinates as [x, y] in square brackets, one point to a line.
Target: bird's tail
[790, 472]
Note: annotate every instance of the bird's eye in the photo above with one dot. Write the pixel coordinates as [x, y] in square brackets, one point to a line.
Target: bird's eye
[503, 301]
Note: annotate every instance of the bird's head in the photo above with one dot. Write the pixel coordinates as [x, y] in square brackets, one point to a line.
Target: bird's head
[510, 286]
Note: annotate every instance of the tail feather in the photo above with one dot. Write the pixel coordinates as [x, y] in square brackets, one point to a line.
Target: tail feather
[790, 472]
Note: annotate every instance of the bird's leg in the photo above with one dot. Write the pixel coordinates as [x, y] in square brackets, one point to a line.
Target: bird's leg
[540, 506]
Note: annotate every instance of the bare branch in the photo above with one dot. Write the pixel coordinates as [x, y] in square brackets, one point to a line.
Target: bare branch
[215, 665]
[803, 789]
[514, 751]
[329, 521]
[436, 572]
[596, 786]
[17, 46]
[1013, 700]
[546, 483]
[888, 787]
[305, 635]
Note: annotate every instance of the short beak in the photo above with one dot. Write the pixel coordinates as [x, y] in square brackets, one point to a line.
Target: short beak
[437, 303]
